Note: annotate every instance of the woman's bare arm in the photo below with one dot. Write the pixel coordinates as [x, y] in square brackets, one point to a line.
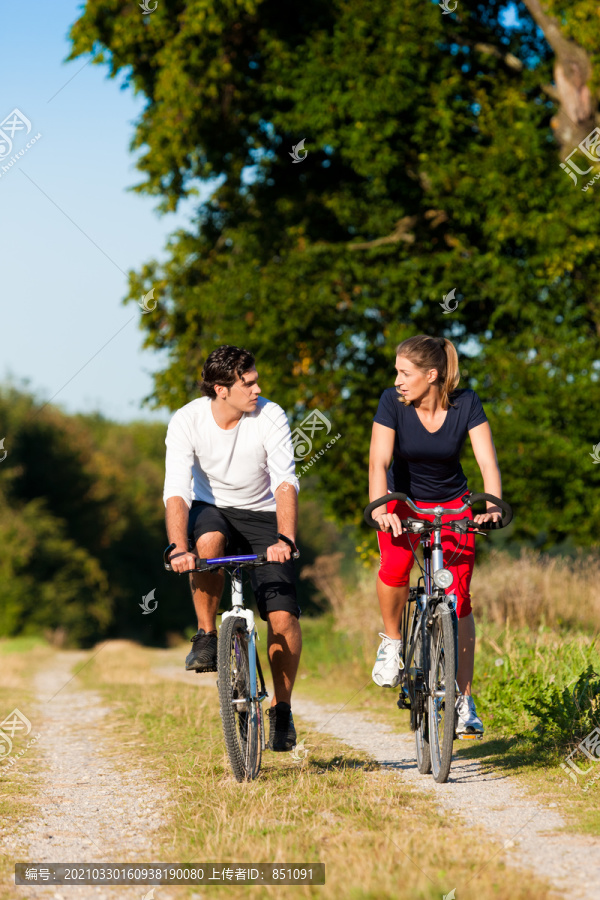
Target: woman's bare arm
[485, 454]
[380, 456]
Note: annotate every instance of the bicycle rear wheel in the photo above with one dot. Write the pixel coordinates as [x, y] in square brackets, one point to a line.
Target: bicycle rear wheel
[421, 719]
[442, 692]
[240, 713]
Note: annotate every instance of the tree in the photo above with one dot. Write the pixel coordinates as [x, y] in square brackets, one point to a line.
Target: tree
[431, 165]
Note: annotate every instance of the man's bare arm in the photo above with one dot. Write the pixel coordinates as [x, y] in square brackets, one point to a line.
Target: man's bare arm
[176, 517]
[286, 500]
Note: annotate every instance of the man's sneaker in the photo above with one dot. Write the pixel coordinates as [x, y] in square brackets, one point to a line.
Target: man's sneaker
[386, 671]
[203, 655]
[466, 719]
[282, 733]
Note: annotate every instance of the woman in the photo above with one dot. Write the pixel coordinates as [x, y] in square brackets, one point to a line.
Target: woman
[420, 427]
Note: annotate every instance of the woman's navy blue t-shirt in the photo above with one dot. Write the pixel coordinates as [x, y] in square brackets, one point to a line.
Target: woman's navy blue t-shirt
[427, 466]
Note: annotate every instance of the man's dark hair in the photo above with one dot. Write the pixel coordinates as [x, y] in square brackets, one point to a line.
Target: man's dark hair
[224, 366]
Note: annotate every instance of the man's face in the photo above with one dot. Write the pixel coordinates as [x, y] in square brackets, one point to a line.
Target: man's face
[244, 394]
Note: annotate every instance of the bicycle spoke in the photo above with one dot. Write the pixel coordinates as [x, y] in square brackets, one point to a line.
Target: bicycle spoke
[240, 712]
[442, 693]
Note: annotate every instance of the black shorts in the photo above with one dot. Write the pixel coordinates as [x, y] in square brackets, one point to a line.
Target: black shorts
[249, 531]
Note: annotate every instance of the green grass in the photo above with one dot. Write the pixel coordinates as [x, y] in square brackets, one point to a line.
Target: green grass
[21, 644]
[517, 671]
[537, 666]
[335, 806]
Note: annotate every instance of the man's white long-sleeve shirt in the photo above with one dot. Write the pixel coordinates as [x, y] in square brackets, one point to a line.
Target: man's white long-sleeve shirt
[239, 467]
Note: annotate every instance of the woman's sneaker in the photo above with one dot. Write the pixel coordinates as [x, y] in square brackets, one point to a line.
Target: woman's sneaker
[203, 655]
[389, 663]
[282, 733]
[466, 719]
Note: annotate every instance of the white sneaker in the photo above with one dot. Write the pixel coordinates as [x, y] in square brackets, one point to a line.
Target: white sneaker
[386, 671]
[467, 720]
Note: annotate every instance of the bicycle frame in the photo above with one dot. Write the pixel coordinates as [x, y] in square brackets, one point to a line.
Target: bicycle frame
[426, 596]
[434, 559]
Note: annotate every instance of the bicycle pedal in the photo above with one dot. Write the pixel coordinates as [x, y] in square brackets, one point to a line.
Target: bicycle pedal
[468, 737]
[403, 702]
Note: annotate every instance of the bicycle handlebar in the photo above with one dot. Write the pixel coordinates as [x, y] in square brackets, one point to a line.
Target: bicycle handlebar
[217, 562]
[468, 501]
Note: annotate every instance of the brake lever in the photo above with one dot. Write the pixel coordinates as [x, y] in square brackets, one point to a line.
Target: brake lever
[465, 526]
[416, 525]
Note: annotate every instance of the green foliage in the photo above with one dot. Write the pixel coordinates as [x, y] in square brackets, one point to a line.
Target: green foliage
[542, 686]
[82, 527]
[568, 715]
[47, 582]
[430, 165]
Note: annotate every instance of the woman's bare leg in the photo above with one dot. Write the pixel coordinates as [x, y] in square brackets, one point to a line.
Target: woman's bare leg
[392, 601]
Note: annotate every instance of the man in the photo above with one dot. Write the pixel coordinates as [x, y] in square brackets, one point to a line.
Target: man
[222, 497]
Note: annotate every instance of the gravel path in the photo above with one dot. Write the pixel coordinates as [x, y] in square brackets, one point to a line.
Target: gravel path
[90, 810]
[481, 796]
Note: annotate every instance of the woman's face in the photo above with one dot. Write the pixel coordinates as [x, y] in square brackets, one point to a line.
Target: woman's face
[413, 383]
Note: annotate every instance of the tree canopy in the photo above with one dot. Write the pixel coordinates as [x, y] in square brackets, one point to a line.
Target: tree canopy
[433, 144]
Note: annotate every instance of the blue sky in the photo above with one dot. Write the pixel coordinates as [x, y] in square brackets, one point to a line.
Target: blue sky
[70, 228]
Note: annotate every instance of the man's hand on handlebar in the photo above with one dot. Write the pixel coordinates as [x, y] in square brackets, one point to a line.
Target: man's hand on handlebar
[184, 562]
[492, 514]
[389, 522]
[279, 552]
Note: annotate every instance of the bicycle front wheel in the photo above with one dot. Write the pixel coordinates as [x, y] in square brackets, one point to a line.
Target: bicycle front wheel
[442, 692]
[421, 719]
[240, 713]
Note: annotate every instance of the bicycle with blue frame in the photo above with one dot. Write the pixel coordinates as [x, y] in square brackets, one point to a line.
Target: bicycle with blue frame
[429, 630]
[240, 679]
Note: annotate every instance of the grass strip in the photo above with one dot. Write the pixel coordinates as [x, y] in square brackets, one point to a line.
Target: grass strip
[377, 837]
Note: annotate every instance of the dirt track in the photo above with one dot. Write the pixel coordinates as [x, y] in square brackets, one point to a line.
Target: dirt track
[91, 810]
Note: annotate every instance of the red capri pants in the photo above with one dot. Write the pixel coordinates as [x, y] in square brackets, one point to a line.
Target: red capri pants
[397, 559]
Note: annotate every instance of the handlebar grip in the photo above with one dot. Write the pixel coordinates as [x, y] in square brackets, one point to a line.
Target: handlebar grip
[167, 560]
[381, 501]
[291, 545]
[166, 557]
[507, 512]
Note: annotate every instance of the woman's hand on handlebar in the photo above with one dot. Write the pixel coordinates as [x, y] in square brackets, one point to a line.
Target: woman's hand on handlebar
[389, 522]
[183, 562]
[492, 514]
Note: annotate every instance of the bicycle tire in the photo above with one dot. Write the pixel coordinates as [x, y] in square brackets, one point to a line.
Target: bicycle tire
[422, 728]
[241, 722]
[442, 692]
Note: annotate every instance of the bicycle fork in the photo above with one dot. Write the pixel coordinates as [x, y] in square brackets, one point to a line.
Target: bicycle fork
[255, 672]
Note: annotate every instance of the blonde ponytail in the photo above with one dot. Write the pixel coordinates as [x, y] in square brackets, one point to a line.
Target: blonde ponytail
[433, 353]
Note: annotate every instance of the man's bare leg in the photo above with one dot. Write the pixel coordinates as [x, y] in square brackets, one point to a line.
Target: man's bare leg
[284, 646]
[207, 587]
